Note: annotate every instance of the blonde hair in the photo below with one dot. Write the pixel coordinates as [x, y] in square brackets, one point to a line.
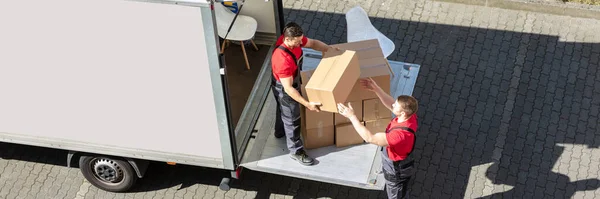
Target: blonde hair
[408, 104]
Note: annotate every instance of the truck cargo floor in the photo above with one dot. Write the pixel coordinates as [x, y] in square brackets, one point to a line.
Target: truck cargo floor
[352, 165]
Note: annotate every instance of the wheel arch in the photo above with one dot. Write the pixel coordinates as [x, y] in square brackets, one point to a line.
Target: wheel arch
[139, 166]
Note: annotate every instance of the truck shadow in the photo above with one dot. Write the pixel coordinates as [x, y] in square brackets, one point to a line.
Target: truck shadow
[254, 184]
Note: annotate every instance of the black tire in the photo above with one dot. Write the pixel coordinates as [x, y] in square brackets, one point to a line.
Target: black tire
[107, 173]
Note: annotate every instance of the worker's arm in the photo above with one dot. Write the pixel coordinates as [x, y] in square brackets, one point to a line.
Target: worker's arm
[385, 98]
[377, 138]
[292, 92]
[318, 45]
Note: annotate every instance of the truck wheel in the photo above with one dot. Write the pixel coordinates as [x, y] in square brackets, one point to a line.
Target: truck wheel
[108, 174]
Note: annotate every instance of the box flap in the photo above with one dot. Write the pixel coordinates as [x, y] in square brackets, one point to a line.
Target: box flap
[374, 67]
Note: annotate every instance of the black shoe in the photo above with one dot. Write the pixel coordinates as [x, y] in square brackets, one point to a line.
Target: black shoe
[302, 158]
[279, 135]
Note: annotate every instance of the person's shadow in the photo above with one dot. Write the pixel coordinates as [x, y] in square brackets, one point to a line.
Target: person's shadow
[554, 183]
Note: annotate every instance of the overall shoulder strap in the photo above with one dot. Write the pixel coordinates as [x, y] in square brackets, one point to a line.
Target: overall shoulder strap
[289, 52]
[403, 128]
[409, 130]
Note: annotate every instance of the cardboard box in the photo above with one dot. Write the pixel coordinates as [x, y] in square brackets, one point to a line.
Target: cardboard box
[329, 82]
[313, 119]
[358, 111]
[373, 109]
[376, 126]
[367, 50]
[319, 135]
[372, 63]
[379, 74]
[346, 135]
[305, 76]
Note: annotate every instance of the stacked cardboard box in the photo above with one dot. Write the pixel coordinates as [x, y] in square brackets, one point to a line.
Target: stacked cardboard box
[377, 115]
[366, 104]
[371, 112]
[317, 127]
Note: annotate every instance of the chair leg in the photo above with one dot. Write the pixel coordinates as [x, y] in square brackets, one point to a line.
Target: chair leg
[223, 46]
[245, 57]
[253, 44]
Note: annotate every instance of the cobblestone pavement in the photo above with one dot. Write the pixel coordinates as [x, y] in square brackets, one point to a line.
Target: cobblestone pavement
[509, 107]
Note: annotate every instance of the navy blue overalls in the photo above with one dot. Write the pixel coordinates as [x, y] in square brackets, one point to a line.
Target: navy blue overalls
[397, 173]
[288, 109]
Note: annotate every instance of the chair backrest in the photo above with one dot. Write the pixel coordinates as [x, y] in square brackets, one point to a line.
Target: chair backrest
[224, 17]
[360, 28]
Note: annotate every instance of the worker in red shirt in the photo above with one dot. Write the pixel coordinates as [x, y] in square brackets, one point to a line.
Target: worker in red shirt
[286, 64]
[398, 140]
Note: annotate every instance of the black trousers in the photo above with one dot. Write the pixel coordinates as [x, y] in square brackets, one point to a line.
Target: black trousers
[288, 118]
[397, 178]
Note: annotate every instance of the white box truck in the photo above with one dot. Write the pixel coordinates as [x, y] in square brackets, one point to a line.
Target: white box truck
[121, 83]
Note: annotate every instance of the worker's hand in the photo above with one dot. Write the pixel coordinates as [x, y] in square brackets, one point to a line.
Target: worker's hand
[369, 84]
[346, 111]
[314, 106]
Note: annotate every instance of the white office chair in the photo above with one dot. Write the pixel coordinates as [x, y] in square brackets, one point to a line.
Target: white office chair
[242, 30]
[360, 28]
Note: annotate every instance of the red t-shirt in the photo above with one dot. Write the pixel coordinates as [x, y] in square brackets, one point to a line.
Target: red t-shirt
[282, 63]
[400, 141]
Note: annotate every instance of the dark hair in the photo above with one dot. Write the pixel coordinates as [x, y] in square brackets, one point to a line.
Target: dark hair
[408, 104]
[292, 30]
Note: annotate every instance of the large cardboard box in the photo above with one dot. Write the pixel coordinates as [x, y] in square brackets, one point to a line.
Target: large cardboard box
[329, 82]
[346, 135]
[373, 109]
[358, 111]
[372, 63]
[319, 134]
[381, 76]
[379, 125]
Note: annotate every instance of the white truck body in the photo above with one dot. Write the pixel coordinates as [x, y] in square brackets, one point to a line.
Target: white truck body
[123, 78]
[143, 80]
